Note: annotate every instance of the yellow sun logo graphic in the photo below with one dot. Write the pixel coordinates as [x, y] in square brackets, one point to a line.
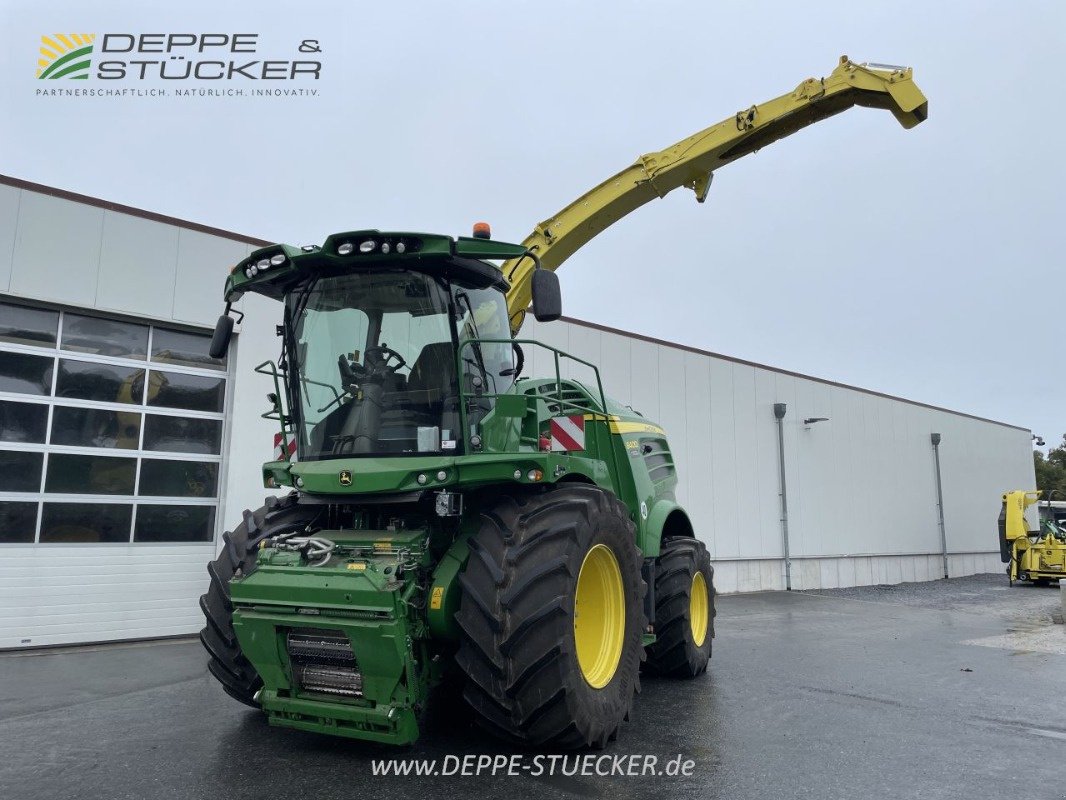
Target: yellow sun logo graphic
[65, 55]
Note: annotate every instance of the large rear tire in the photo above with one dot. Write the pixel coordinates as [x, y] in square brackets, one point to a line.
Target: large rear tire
[684, 610]
[227, 663]
[552, 617]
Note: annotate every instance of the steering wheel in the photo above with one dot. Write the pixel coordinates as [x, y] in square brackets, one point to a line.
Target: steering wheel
[383, 355]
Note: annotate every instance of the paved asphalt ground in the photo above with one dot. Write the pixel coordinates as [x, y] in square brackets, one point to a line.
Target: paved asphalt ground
[951, 689]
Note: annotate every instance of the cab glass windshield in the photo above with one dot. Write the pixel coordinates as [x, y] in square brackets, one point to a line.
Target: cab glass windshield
[376, 366]
[375, 363]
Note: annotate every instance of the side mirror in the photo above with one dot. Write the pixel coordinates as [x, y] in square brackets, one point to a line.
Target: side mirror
[221, 337]
[547, 297]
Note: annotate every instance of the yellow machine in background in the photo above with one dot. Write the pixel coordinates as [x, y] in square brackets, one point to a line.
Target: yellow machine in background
[1038, 556]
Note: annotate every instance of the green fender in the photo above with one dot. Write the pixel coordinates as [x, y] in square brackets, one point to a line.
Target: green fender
[665, 518]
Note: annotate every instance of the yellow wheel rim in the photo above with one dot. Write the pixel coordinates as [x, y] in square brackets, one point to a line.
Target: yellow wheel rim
[599, 616]
[698, 609]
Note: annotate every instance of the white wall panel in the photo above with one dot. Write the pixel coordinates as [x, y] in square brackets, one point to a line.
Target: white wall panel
[251, 436]
[614, 365]
[861, 485]
[203, 263]
[822, 513]
[725, 482]
[138, 266]
[542, 359]
[766, 538]
[698, 477]
[671, 384]
[583, 343]
[57, 250]
[9, 214]
[644, 379]
[751, 511]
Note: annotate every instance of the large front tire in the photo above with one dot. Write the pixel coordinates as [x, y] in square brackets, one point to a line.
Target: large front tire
[227, 663]
[552, 617]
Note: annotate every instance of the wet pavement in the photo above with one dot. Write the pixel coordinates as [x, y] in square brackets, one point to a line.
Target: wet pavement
[951, 689]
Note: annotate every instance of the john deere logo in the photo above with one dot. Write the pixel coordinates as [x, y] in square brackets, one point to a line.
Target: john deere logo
[65, 55]
[346, 477]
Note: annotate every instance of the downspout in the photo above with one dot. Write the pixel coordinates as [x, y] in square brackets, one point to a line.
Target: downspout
[779, 415]
[935, 439]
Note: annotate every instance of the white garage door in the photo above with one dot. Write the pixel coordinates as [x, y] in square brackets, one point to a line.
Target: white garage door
[111, 434]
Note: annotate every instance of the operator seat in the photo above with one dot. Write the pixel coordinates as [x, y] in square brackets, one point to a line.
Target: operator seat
[432, 375]
[432, 391]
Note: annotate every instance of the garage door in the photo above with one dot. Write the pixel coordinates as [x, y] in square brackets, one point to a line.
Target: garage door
[111, 435]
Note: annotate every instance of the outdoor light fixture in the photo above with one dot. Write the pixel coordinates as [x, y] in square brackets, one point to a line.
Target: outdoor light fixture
[1039, 440]
[811, 420]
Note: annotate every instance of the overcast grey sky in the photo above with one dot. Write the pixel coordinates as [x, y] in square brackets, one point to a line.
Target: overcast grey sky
[923, 263]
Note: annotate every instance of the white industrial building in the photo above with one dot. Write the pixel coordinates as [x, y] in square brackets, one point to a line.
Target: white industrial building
[124, 460]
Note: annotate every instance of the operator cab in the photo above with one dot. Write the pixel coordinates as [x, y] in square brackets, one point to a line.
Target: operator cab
[393, 342]
[376, 361]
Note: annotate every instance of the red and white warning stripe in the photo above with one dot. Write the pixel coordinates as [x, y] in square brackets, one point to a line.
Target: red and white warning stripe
[279, 453]
[568, 433]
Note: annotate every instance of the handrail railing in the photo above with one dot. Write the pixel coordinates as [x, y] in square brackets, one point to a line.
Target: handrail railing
[602, 413]
[269, 368]
[557, 354]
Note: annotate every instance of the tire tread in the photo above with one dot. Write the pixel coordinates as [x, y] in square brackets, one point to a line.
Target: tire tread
[674, 653]
[226, 662]
[516, 586]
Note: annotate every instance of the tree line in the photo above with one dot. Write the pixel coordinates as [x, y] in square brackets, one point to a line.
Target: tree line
[1051, 470]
